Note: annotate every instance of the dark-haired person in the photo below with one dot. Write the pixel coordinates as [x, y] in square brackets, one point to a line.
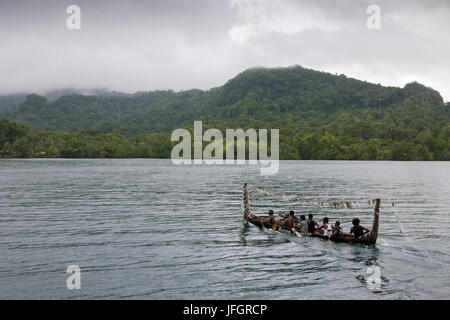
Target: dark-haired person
[337, 230]
[289, 222]
[357, 229]
[271, 220]
[303, 225]
[326, 227]
[292, 214]
[311, 224]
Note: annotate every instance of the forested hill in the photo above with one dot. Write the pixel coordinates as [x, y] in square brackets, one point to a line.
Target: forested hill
[320, 115]
[11, 101]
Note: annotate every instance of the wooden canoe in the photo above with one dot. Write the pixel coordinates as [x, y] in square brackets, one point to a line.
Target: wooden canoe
[367, 239]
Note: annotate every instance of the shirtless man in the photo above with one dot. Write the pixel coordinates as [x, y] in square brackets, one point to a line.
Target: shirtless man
[289, 222]
[271, 220]
[357, 229]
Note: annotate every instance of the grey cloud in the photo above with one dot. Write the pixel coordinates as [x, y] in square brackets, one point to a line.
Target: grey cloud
[148, 45]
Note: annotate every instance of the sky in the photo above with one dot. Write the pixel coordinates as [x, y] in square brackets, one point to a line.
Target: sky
[134, 45]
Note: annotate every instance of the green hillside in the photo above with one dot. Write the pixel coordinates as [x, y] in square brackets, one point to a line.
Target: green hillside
[320, 116]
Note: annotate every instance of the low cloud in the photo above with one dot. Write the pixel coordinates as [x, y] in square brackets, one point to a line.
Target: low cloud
[149, 45]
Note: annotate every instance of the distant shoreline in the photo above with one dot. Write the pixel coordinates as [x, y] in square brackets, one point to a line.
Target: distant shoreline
[337, 160]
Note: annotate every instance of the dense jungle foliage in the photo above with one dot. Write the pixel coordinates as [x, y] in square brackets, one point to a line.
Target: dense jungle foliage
[320, 116]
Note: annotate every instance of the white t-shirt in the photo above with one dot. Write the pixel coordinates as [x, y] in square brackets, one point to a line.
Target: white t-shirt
[328, 231]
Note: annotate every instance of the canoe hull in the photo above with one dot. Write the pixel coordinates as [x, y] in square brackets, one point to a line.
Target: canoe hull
[367, 239]
[345, 239]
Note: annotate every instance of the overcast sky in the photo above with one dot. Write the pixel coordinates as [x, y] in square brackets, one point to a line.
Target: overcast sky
[147, 45]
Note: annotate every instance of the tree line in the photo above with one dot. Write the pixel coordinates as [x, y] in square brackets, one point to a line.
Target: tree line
[320, 116]
[20, 142]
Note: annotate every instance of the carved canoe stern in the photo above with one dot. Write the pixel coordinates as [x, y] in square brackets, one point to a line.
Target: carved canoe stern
[246, 204]
[373, 235]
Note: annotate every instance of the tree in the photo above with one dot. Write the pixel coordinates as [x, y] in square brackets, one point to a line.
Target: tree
[22, 148]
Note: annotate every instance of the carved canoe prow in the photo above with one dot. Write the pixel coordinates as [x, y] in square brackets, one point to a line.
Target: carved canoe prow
[369, 238]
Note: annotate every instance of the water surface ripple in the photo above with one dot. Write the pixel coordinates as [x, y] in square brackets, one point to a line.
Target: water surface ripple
[148, 229]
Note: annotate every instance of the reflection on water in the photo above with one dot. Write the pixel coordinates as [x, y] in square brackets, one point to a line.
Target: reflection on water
[148, 229]
[244, 232]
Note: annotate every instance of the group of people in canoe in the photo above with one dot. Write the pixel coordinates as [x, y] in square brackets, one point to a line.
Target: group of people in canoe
[310, 226]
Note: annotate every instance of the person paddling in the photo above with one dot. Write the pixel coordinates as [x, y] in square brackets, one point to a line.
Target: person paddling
[326, 227]
[311, 224]
[337, 230]
[271, 220]
[357, 229]
[289, 222]
[303, 224]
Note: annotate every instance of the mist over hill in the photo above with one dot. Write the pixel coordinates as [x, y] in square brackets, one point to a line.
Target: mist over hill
[11, 101]
[320, 115]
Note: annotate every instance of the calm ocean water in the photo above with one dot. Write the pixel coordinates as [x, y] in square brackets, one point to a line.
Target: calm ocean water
[148, 229]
